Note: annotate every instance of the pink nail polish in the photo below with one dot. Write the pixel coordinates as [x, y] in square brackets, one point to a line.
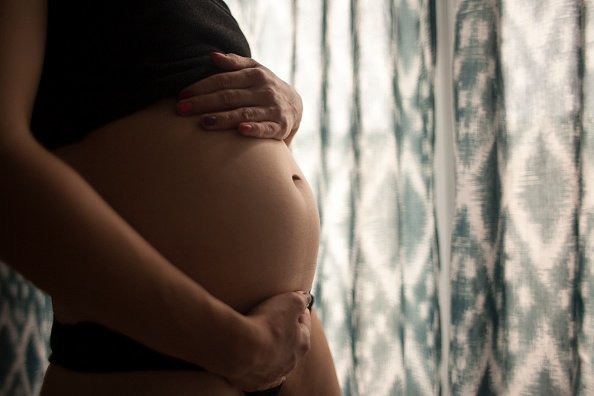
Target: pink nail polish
[184, 107]
[245, 128]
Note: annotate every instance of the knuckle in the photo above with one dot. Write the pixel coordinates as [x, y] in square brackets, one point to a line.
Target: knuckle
[297, 300]
[258, 75]
[226, 98]
[246, 114]
[233, 56]
[223, 81]
[263, 131]
[272, 130]
[284, 123]
[269, 94]
[225, 117]
[277, 332]
[277, 112]
[305, 347]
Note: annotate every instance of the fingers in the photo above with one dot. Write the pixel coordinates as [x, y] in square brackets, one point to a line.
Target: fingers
[232, 61]
[263, 130]
[305, 298]
[304, 320]
[312, 301]
[223, 100]
[248, 98]
[270, 385]
[250, 121]
[240, 79]
[241, 73]
[232, 119]
[284, 324]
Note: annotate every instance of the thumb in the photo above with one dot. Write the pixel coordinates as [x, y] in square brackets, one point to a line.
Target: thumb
[231, 62]
[308, 299]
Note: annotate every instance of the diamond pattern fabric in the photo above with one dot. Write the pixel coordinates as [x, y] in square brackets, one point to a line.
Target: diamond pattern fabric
[522, 245]
[522, 269]
[25, 321]
[365, 72]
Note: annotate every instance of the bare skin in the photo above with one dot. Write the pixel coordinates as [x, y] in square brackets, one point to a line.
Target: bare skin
[88, 258]
[314, 375]
[237, 204]
[248, 97]
[87, 244]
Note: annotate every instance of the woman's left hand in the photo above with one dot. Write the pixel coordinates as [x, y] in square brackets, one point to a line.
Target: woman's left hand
[247, 97]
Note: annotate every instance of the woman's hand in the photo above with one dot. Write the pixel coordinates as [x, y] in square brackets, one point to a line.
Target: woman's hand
[247, 97]
[279, 337]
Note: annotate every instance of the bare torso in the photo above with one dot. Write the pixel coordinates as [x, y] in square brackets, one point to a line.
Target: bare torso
[234, 213]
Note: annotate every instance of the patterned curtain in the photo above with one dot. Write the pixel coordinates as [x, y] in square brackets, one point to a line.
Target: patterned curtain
[522, 265]
[25, 322]
[523, 245]
[365, 72]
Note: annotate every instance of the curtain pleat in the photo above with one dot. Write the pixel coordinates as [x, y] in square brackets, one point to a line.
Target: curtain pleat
[585, 382]
[521, 252]
[365, 72]
[475, 265]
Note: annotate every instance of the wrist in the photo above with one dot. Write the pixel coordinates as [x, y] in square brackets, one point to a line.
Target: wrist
[231, 346]
[204, 330]
[242, 349]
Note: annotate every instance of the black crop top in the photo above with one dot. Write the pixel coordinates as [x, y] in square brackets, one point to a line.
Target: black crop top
[108, 58]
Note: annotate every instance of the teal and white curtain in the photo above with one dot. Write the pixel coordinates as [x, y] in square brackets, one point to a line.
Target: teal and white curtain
[523, 245]
[25, 323]
[365, 71]
[450, 144]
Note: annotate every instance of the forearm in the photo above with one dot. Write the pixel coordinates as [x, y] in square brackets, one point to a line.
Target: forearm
[58, 232]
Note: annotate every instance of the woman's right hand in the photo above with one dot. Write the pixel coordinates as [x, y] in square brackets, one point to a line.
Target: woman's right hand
[278, 336]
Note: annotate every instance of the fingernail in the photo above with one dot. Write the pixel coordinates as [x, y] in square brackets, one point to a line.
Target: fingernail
[246, 127]
[185, 95]
[184, 107]
[217, 53]
[209, 120]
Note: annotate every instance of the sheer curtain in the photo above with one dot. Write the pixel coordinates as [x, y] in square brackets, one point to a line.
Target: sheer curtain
[523, 246]
[365, 70]
[521, 282]
[473, 118]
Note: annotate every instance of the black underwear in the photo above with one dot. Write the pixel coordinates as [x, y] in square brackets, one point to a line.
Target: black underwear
[91, 347]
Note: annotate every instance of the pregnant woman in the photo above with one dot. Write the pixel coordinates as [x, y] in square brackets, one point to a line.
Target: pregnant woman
[173, 254]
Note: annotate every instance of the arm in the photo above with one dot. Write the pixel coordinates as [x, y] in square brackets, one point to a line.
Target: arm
[59, 233]
[248, 97]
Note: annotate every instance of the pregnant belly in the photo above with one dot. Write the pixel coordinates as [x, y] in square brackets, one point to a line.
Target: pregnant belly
[234, 213]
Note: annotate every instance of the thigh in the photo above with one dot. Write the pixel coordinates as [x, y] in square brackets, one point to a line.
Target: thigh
[61, 382]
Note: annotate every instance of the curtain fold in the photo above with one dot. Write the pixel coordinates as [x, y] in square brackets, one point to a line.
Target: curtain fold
[522, 270]
[365, 72]
[522, 244]
[585, 383]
